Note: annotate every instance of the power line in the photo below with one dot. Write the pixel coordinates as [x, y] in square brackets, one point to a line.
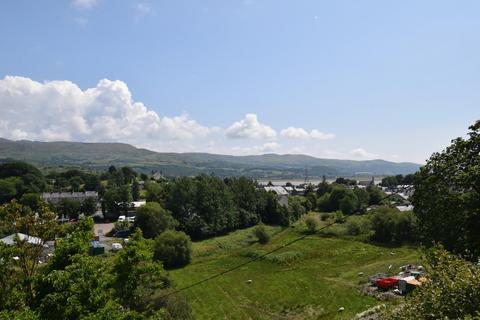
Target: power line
[262, 255]
[244, 263]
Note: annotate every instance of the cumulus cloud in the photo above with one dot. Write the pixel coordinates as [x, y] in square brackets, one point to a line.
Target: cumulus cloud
[250, 128]
[362, 153]
[268, 147]
[60, 110]
[85, 4]
[300, 133]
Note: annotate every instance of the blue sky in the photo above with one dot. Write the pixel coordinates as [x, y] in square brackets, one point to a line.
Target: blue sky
[373, 79]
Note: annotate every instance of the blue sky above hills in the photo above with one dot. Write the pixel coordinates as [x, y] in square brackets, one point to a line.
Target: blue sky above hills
[339, 79]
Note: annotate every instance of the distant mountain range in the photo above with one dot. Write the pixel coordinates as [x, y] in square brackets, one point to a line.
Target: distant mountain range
[98, 156]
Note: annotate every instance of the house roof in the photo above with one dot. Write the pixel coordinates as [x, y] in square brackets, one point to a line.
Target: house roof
[277, 189]
[10, 240]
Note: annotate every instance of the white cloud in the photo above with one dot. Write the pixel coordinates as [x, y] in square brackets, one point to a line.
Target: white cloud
[60, 110]
[362, 153]
[294, 133]
[300, 133]
[85, 4]
[268, 147]
[250, 128]
[143, 9]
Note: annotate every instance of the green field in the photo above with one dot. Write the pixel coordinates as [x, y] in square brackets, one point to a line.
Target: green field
[310, 279]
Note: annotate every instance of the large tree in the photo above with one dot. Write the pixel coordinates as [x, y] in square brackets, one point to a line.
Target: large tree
[447, 196]
[152, 219]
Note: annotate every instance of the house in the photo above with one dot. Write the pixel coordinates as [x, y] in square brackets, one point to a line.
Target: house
[10, 240]
[157, 176]
[282, 194]
[289, 189]
[55, 197]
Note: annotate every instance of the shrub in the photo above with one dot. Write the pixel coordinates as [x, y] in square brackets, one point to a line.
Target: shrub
[122, 226]
[261, 233]
[389, 225]
[173, 248]
[325, 216]
[358, 225]
[339, 218]
[311, 223]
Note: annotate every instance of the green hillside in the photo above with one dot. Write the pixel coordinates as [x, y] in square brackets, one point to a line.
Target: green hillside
[311, 279]
[272, 166]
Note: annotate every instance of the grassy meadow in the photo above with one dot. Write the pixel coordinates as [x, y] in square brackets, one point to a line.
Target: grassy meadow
[311, 279]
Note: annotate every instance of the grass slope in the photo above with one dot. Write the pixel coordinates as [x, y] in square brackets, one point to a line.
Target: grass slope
[309, 280]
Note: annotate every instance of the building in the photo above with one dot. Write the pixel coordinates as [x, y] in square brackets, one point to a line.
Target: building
[55, 197]
[282, 194]
[10, 240]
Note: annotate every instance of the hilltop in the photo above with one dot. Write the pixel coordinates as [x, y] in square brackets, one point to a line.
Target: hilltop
[98, 156]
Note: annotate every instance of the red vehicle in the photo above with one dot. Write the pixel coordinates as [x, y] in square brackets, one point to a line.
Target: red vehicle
[386, 283]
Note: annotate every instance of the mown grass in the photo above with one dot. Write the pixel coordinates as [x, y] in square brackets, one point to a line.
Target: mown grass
[310, 279]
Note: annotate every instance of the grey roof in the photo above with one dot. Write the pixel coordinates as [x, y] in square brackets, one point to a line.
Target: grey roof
[277, 189]
[10, 240]
[69, 195]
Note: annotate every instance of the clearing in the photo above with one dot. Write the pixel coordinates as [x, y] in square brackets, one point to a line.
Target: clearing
[311, 279]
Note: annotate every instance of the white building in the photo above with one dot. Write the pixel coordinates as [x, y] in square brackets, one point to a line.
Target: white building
[282, 194]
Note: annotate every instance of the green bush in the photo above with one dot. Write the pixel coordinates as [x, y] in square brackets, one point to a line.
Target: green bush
[173, 248]
[390, 225]
[262, 234]
[311, 223]
[358, 225]
[325, 216]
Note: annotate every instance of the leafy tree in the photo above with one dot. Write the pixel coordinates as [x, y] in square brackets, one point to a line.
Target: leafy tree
[390, 225]
[322, 188]
[8, 191]
[349, 203]
[75, 183]
[31, 200]
[173, 248]
[69, 208]
[125, 196]
[152, 219]
[272, 212]
[245, 197]
[76, 243]
[88, 206]
[451, 290]
[135, 191]
[363, 198]
[112, 201]
[375, 195]
[155, 192]
[78, 290]
[12, 296]
[137, 276]
[447, 196]
[296, 206]
[40, 224]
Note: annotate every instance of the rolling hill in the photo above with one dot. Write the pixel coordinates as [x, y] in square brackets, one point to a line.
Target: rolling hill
[97, 156]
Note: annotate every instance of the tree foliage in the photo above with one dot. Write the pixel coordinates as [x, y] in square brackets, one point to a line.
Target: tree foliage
[152, 219]
[451, 290]
[447, 196]
[173, 248]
